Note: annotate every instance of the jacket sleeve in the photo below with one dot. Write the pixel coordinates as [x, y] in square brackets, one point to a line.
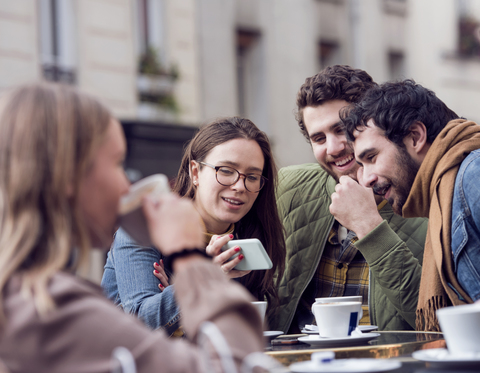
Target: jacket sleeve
[84, 329]
[205, 294]
[138, 287]
[394, 258]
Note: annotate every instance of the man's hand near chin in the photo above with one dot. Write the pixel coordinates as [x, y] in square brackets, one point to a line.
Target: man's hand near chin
[354, 207]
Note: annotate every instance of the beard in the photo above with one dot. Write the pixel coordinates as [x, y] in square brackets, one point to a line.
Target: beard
[406, 171]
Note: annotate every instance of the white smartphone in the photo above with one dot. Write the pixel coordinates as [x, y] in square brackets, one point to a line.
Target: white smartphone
[255, 256]
[132, 219]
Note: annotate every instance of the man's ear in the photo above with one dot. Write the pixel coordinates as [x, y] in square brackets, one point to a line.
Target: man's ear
[416, 141]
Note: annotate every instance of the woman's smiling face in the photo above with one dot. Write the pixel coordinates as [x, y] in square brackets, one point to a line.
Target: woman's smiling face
[218, 205]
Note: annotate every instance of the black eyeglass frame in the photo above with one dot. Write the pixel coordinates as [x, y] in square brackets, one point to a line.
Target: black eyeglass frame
[216, 168]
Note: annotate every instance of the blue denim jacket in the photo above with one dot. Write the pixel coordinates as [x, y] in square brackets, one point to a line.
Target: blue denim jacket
[466, 225]
[128, 281]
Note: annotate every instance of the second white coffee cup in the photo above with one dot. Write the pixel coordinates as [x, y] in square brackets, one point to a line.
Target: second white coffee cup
[460, 326]
[337, 319]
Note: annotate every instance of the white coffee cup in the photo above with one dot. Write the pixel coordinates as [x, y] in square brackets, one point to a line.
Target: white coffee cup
[261, 307]
[337, 319]
[461, 328]
[350, 298]
[130, 209]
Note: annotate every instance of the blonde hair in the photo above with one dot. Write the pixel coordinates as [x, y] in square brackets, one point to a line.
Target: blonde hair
[47, 136]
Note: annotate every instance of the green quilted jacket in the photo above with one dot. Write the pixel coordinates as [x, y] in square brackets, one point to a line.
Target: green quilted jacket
[393, 250]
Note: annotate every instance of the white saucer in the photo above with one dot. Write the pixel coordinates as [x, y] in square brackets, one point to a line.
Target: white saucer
[271, 334]
[316, 340]
[441, 357]
[362, 328]
[346, 365]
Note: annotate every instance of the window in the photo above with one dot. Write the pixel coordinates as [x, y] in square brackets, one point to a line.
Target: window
[468, 37]
[396, 7]
[396, 64]
[246, 42]
[57, 40]
[468, 44]
[150, 29]
[157, 76]
[328, 53]
[252, 77]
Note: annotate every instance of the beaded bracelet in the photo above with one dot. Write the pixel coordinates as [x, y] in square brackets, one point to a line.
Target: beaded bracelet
[168, 261]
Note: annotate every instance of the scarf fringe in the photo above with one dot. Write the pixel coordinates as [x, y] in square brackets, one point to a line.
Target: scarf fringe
[426, 317]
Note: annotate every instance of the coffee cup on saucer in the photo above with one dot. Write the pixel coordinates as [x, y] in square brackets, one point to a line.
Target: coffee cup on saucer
[350, 298]
[130, 209]
[461, 327]
[337, 319]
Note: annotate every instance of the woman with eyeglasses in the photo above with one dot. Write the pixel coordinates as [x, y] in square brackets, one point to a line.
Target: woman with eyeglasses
[229, 172]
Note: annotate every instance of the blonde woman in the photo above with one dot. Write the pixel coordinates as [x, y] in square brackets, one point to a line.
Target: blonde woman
[61, 179]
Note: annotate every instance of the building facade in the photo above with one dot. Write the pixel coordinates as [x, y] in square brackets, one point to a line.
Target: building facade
[166, 64]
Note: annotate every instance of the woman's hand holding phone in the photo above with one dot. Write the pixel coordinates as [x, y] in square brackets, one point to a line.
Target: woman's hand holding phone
[220, 257]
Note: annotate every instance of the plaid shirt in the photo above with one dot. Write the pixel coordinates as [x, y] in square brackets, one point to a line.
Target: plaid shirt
[343, 271]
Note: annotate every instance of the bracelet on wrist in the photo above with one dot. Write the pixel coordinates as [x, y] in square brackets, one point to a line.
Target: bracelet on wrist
[168, 261]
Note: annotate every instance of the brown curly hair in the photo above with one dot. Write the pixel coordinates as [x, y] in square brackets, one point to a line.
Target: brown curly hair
[338, 82]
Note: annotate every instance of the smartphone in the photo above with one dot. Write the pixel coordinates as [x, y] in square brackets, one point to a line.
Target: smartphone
[131, 218]
[255, 256]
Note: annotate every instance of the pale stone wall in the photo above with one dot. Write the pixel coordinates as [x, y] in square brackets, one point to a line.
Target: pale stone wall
[19, 59]
[216, 44]
[432, 38]
[107, 65]
[183, 50]
[199, 36]
[290, 59]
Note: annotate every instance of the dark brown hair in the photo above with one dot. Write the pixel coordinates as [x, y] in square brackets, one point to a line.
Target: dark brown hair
[262, 221]
[338, 82]
[394, 107]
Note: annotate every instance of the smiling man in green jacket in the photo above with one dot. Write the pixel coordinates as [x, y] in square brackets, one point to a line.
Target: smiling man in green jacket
[341, 241]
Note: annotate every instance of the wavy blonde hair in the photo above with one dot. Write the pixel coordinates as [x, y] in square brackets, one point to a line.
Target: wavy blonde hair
[48, 134]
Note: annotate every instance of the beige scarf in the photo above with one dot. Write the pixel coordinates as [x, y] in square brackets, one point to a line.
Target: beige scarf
[431, 196]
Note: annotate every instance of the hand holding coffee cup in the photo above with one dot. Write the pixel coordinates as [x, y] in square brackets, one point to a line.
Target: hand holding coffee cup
[132, 219]
[173, 224]
[337, 319]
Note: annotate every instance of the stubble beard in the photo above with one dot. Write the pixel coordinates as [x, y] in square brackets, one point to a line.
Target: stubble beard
[403, 184]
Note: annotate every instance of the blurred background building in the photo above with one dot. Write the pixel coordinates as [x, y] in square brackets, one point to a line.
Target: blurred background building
[164, 67]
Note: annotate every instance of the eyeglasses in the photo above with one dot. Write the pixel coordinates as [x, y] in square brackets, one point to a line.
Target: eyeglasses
[227, 176]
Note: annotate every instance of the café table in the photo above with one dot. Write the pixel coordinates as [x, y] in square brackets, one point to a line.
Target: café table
[398, 345]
